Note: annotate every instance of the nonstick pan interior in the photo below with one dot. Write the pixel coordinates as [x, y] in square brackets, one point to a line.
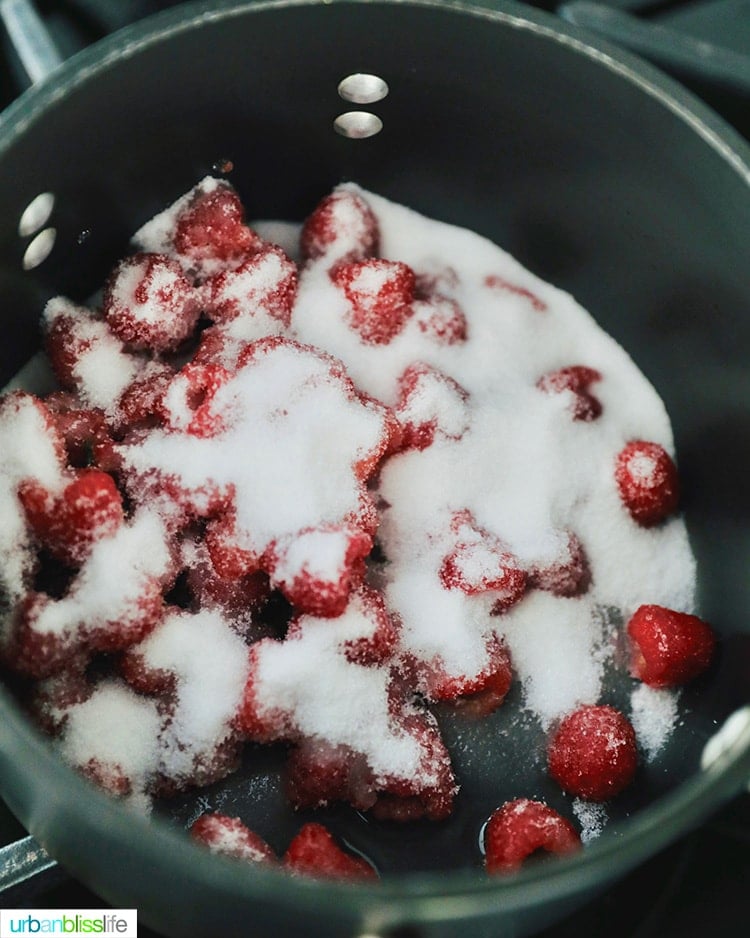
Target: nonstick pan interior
[595, 172]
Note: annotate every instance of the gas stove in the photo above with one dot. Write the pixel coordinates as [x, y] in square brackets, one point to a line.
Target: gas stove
[698, 885]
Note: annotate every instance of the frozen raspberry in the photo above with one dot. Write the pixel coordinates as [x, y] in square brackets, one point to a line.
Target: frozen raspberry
[568, 574]
[379, 751]
[86, 356]
[669, 648]
[69, 524]
[575, 379]
[112, 602]
[139, 403]
[230, 837]
[262, 286]
[593, 753]
[480, 562]
[186, 403]
[430, 405]
[647, 481]
[342, 227]
[54, 696]
[314, 852]
[211, 226]
[481, 693]
[380, 293]
[496, 282]
[440, 318]
[521, 828]
[84, 429]
[318, 569]
[150, 304]
[239, 598]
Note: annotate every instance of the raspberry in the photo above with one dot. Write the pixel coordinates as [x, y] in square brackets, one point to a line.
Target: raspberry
[381, 294]
[314, 852]
[430, 405]
[231, 838]
[575, 379]
[88, 509]
[138, 405]
[440, 318]
[186, 403]
[593, 753]
[669, 648]
[262, 286]
[495, 282]
[318, 568]
[84, 430]
[211, 226]
[520, 828]
[568, 574]
[342, 227]
[481, 563]
[86, 356]
[150, 304]
[482, 693]
[647, 481]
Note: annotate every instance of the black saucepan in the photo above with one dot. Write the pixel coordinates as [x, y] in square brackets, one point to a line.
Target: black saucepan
[594, 170]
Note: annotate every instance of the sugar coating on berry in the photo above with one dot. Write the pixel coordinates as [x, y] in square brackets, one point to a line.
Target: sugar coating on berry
[30, 449]
[669, 647]
[116, 729]
[430, 404]
[380, 294]
[521, 828]
[207, 661]
[229, 837]
[593, 753]
[261, 289]
[117, 594]
[647, 481]
[150, 304]
[342, 227]
[87, 355]
[575, 381]
[309, 430]
[283, 698]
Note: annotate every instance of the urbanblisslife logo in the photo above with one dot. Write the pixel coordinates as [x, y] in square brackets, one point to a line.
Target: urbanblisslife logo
[73, 923]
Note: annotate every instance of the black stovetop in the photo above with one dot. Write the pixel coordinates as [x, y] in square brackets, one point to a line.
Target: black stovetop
[699, 885]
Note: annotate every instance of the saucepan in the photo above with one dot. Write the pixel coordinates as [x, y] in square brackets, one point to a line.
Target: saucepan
[597, 172]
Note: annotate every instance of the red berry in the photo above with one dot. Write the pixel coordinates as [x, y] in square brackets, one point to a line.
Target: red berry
[440, 318]
[568, 574]
[669, 648]
[318, 568]
[576, 379]
[342, 227]
[150, 304]
[314, 852]
[430, 404]
[593, 753]
[381, 294]
[69, 524]
[520, 828]
[264, 284]
[212, 226]
[480, 563]
[647, 481]
[84, 430]
[230, 837]
[483, 693]
[138, 404]
[186, 403]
